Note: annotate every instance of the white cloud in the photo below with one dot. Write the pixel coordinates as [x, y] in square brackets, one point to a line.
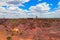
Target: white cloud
[12, 2]
[3, 3]
[14, 12]
[42, 6]
[41, 10]
[58, 3]
[57, 11]
[12, 8]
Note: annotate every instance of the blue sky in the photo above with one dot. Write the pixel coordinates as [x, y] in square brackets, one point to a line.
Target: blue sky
[35, 2]
[29, 8]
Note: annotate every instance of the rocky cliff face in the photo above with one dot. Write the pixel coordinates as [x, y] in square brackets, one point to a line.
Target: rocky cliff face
[29, 29]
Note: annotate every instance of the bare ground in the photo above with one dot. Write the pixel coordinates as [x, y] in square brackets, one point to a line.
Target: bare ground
[29, 29]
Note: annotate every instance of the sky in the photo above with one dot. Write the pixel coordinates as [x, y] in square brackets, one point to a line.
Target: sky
[29, 8]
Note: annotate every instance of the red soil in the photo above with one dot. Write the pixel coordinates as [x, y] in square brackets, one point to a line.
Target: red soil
[30, 29]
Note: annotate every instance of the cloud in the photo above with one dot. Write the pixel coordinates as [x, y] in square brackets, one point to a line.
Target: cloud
[12, 2]
[14, 12]
[41, 10]
[3, 4]
[42, 6]
[11, 10]
[58, 3]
